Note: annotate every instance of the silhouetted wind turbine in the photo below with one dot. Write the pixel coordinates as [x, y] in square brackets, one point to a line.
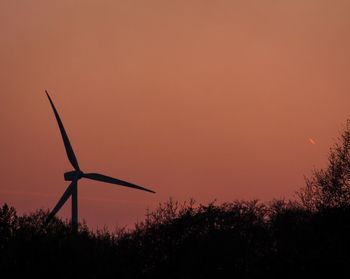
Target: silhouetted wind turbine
[76, 174]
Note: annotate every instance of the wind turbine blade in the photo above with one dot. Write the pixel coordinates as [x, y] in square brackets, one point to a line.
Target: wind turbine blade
[62, 200]
[108, 179]
[67, 145]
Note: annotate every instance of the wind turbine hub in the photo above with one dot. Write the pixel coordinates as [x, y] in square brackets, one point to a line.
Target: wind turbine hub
[73, 175]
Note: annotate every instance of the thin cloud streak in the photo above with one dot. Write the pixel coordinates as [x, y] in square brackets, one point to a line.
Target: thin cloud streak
[54, 196]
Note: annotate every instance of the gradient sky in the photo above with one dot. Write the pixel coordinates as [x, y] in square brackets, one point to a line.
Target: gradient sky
[198, 99]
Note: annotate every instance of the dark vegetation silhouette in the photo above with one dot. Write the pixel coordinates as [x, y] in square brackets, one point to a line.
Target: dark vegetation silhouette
[308, 237]
[330, 187]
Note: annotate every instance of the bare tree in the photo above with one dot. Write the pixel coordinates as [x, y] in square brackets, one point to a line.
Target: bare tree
[330, 187]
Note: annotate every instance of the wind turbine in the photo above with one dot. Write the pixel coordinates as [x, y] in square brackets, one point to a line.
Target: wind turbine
[75, 175]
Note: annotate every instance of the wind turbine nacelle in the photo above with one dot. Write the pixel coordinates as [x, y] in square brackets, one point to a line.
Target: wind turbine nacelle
[73, 175]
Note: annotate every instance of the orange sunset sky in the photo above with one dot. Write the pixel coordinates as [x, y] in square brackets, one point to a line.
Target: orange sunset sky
[204, 99]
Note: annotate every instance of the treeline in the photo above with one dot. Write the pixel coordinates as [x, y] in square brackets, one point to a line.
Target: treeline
[242, 239]
[308, 237]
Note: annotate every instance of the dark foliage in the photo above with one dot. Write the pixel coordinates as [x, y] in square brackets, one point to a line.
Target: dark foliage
[240, 239]
[330, 187]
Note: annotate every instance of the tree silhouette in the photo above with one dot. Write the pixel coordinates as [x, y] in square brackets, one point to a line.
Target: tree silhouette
[330, 187]
[242, 239]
